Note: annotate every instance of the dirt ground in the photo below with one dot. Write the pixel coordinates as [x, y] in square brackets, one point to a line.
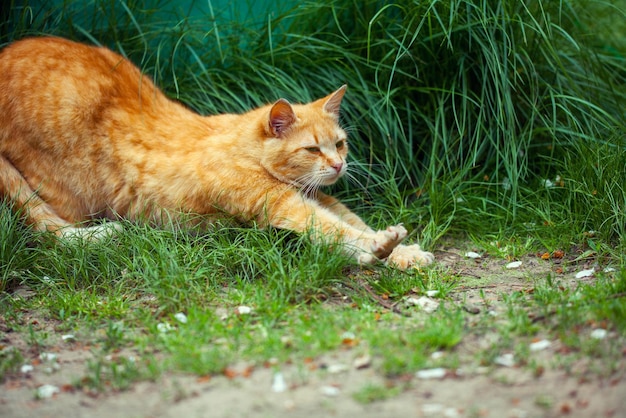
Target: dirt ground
[325, 388]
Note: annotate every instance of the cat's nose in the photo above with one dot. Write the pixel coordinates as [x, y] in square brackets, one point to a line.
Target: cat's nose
[337, 167]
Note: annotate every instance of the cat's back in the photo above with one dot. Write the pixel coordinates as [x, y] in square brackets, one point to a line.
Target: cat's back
[52, 83]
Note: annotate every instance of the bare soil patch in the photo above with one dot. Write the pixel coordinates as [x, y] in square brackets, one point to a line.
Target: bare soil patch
[326, 386]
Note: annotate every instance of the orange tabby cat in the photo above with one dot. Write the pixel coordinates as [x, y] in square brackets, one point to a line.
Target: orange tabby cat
[84, 135]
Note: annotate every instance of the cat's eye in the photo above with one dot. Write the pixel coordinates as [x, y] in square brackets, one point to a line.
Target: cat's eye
[314, 150]
[340, 144]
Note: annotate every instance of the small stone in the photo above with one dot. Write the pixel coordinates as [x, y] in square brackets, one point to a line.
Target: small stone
[451, 413]
[432, 409]
[243, 310]
[505, 360]
[514, 265]
[26, 368]
[540, 345]
[181, 317]
[330, 391]
[164, 327]
[585, 273]
[337, 368]
[46, 391]
[436, 373]
[424, 303]
[598, 334]
[49, 357]
[68, 337]
[472, 254]
[432, 293]
[278, 383]
[518, 413]
[362, 362]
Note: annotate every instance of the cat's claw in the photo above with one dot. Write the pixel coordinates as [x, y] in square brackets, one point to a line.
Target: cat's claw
[386, 240]
[404, 257]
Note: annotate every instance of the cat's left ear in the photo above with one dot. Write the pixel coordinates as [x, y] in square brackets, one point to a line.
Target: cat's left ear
[282, 117]
[332, 103]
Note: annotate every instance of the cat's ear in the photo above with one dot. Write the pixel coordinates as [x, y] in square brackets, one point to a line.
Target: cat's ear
[332, 103]
[282, 117]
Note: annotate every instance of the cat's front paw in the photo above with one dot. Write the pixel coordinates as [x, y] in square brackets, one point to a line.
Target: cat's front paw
[92, 233]
[404, 257]
[388, 239]
[366, 258]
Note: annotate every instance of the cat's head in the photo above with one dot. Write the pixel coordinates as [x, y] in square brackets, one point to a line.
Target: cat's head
[304, 144]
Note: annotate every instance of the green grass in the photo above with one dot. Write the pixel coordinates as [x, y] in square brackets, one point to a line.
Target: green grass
[458, 112]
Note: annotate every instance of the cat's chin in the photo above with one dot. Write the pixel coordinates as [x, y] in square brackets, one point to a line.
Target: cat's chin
[329, 181]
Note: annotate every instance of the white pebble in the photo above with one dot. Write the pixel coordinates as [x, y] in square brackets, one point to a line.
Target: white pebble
[438, 410]
[164, 327]
[243, 310]
[48, 357]
[518, 413]
[432, 293]
[329, 391]
[337, 368]
[514, 265]
[436, 373]
[68, 337]
[472, 254]
[181, 317]
[424, 303]
[540, 345]
[432, 409]
[47, 391]
[26, 368]
[278, 383]
[598, 334]
[506, 360]
[451, 413]
[584, 273]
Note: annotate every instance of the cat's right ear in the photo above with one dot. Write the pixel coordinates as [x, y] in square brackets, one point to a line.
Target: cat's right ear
[282, 117]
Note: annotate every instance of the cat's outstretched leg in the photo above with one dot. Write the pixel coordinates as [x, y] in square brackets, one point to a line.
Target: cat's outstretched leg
[343, 212]
[383, 241]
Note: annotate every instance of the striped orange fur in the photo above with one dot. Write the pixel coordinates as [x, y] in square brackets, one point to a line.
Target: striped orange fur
[84, 135]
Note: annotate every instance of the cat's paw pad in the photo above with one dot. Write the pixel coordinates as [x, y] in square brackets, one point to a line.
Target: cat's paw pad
[388, 239]
[404, 257]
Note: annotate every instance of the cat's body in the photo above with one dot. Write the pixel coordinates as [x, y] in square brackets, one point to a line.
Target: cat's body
[84, 135]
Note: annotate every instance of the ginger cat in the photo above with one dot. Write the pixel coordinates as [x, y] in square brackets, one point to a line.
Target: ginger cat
[84, 136]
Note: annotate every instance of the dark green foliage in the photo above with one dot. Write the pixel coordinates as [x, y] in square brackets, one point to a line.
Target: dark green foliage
[458, 110]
